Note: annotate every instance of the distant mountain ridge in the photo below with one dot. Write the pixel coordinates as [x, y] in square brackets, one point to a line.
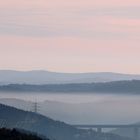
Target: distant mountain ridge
[46, 77]
[132, 87]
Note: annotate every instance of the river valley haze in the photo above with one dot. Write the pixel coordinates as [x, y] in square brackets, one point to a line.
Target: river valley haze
[69, 69]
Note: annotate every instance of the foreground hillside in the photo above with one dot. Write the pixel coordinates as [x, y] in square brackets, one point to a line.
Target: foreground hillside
[7, 134]
[14, 118]
[108, 87]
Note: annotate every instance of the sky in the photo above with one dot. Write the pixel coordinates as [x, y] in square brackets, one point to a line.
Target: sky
[70, 35]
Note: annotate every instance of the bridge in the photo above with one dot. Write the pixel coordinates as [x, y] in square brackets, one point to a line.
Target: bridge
[99, 128]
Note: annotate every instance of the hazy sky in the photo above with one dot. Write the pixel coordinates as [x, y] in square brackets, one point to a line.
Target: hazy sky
[70, 35]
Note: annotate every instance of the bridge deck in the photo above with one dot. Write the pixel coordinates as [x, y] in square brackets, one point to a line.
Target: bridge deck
[107, 126]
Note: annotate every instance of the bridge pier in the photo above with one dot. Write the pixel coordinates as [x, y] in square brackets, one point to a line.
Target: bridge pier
[136, 133]
[134, 127]
[99, 130]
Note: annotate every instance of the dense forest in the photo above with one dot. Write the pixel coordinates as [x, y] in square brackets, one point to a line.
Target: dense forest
[13, 134]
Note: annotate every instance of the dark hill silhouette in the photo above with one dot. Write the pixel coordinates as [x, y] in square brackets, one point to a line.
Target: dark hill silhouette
[7, 134]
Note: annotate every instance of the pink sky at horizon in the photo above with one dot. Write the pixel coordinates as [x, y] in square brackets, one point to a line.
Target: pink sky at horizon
[70, 36]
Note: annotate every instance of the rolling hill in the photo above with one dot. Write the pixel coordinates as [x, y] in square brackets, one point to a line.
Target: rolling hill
[132, 86]
[46, 77]
[14, 118]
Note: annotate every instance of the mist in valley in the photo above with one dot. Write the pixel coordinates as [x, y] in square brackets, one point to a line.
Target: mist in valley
[79, 108]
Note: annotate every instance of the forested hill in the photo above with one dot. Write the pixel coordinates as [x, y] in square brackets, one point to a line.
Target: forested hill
[14, 118]
[132, 86]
